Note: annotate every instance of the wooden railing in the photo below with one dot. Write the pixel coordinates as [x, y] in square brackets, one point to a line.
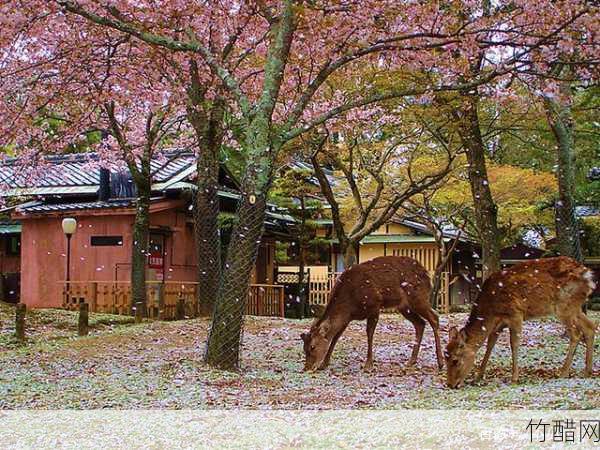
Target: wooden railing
[320, 286]
[266, 300]
[114, 297]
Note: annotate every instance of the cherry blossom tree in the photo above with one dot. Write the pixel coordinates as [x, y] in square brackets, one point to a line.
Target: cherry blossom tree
[108, 89]
[272, 62]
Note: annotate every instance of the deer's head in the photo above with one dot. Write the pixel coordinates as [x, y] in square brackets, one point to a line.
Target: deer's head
[460, 358]
[316, 345]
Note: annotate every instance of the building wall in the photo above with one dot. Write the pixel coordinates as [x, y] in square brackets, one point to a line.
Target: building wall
[426, 253]
[393, 228]
[43, 250]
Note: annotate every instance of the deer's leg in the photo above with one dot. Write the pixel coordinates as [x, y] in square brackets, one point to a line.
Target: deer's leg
[325, 362]
[492, 339]
[431, 317]
[419, 325]
[588, 328]
[574, 337]
[515, 341]
[371, 324]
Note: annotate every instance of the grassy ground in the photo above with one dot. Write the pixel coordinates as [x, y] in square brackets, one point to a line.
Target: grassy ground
[159, 365]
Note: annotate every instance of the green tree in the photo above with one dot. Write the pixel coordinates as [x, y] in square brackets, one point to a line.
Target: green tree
[295, 189]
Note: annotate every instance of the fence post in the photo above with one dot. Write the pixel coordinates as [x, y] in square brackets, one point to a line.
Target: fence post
[281, 302]
[260, 298]
[83, 328]
[180, 310]
[20, 312]
[94, 297]
[161, 302]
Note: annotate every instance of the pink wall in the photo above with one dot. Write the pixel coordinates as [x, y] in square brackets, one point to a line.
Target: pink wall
[43, 251]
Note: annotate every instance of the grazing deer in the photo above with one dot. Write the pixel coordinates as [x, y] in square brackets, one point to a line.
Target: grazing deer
[360, 293]
[542, 287]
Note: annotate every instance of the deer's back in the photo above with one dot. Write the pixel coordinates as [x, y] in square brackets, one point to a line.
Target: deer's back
[535, 288]
[384, 282]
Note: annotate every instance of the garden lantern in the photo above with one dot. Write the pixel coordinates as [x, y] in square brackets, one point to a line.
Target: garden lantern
[69, 225]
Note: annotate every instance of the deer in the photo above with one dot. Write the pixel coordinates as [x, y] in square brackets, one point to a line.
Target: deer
[556, 287]
[360, 293]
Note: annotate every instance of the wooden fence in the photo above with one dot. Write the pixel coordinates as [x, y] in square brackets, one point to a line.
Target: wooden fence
[114, 297]
[320, 286]
[265, 300]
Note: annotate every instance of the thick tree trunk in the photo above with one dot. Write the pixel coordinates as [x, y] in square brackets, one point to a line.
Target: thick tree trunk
[224, 340]
[226, 329]
[206, 117]
[486, 211]
[208, 244]
[561, 123]
[139, 257]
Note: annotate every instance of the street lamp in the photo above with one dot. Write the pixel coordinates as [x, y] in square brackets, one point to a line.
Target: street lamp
[69, 225]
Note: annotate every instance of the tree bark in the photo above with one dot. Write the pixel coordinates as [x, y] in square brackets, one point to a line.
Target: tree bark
[139, 257]
[486, 211]
[208, 244]
[561, 122]
[350, 253]
[223, 347]
[206, 117]
[226, 329]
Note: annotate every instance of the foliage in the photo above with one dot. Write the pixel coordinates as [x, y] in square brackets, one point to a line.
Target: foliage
[590, 236]
[296, 190]
[523, 196]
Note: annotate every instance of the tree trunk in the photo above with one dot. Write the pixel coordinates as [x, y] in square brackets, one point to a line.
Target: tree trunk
[206, 117]
[436, 283]
[350, 254]
[139, 257]
[208, 244]
[561, 122]
[224, 340]
[486, 211]
[302, 291]
[223, 348]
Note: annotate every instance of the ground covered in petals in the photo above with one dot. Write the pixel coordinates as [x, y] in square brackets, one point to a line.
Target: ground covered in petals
[159, 365]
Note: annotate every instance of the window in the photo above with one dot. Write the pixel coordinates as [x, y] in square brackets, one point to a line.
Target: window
[106, 241]
[13, 244]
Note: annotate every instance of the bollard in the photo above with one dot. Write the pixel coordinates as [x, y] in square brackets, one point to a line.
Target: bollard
[84, 313]
[180, 312]
[20, 312]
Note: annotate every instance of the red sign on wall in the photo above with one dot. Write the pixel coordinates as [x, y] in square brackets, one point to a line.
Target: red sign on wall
[156, 261]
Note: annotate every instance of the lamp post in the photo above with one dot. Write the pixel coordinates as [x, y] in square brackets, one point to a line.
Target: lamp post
[69, 225]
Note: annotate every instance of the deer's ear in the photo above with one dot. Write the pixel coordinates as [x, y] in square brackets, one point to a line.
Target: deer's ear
[453, 333]
[304, 336]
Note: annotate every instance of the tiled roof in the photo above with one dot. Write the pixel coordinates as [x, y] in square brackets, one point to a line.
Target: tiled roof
[41, 207]
[78, 174]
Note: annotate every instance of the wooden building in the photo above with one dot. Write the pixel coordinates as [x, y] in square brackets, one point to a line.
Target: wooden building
[101, 245]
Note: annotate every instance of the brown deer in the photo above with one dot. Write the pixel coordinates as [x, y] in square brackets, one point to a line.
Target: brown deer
[542, 287]
[360, 293]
